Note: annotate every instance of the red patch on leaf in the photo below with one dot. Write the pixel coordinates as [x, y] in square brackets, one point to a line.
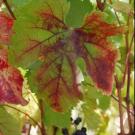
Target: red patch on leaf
[52, 78]
[94, 24]
[11, 82]
[51, 22]
[3, 59]
[100, 67]
[6, 24]
[101, 70]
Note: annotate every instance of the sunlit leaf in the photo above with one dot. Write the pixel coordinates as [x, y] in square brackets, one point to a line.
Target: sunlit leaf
[8, 124]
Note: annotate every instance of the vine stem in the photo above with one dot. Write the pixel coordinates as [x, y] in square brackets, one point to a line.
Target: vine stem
[117, 100]
[126, 72]
[9, 9]
[128, 99]
[120, 106]
[41, 105]
[120, 111]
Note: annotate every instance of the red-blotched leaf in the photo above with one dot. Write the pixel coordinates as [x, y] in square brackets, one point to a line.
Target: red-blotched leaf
[92, 44]
[46, 41]
[11, 82]
[6, 24]
[3, 59]
[51, 22]
[44, 38]
[56, 77]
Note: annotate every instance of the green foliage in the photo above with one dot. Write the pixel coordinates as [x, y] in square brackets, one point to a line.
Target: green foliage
[10, 125]
[93, 101]
[78, 9]
[57, 119]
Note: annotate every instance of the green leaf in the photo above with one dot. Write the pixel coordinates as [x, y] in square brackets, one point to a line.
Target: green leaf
[92, 93]
[109, 14]
[78, 9]
[53, 118]
[81, 64]
[91, 118]
[18, 3]
[104, 102]
[28, 19]
[8, 124]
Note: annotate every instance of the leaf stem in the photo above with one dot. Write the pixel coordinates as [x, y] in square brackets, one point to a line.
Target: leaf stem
[120, 106]
[9, 9]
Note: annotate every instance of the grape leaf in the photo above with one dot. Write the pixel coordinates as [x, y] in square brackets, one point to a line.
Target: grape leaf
[3, 59]
[6, 24]
[93, 100]
[11, 82]
[51, 76]
[31, 109]
[78, 10]
[18, 3]
[8, 124]
[49, 48]
[91, 118]
[53, 118]
[90, 42]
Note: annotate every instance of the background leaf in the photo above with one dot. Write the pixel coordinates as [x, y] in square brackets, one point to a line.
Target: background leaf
[8, 125]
